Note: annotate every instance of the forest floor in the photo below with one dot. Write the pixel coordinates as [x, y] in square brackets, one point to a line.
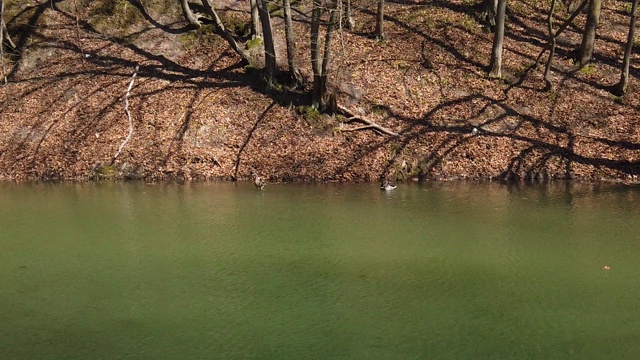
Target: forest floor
[198, 113]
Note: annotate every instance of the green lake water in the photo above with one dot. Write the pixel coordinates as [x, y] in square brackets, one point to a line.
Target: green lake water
[222, 271]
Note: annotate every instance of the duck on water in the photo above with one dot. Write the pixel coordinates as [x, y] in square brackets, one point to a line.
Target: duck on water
[385, 186]
[258, 182]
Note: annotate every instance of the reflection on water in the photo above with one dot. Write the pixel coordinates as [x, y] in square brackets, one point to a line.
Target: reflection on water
[218, 270]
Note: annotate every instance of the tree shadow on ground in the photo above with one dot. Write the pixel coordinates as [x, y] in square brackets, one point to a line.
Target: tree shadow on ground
[101, 62]
[168, 29]
[528, 34]
[529, 162]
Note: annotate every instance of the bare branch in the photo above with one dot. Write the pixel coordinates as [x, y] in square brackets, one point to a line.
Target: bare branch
[573, 16]
[222, 31]
[189, 15]
[3, 31]
[126, 110]
[369, 125]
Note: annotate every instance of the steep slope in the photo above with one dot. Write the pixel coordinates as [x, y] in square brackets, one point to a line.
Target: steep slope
[198, 113]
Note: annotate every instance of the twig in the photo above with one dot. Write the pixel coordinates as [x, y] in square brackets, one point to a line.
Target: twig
[126, 110]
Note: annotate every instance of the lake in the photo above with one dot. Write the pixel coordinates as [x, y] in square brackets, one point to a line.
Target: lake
[332, 271]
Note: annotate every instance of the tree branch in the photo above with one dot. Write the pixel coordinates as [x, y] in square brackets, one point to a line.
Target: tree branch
[189, 15]
[369, 125]
[222, 31]
[126, 110]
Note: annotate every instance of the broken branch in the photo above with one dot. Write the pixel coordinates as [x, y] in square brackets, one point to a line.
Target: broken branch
[126, 110]
[369, 125]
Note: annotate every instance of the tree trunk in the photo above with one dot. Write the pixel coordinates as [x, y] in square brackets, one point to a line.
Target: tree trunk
[380, 20]
[572, 5]
[222, 31]
[498, 41]
[316, 14]
[2, 27]
[2, 31]
[622, 86]
[319, 66]
[552, 46]
[573, 16]
[255, 20]
[189, 15]
[589, 35]
[294, 73]
[269, 48]
[490, 11]
[349, 24]
[326, 60]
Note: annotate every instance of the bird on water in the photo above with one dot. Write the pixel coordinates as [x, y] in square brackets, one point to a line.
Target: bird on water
[385, 186]
[257, 181]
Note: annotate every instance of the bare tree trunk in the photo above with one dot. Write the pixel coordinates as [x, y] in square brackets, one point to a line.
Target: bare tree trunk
[572, 5]
[573, 16]
[328, 100]
[316, 14]
[294, 73]
[589, 35]
[321, 68]
[326, 60]
[622, 86]
[78, 38]
[490, 11]
[4, 39]
[552, 46]
[189, 15]
[380, 20]
[349, 24]
[221, 30]
[498, 41]
[269, 48]
[255, 20]
[2, 27]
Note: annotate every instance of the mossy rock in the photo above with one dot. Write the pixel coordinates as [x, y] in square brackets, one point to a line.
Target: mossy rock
[315, 118]
[103, 172]
[238, 26]
[588, 69]
[253, 43]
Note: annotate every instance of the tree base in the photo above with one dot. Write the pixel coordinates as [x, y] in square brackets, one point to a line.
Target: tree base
[620, 89]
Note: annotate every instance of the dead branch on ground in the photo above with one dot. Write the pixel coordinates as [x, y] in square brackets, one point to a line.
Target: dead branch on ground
[126, 110]
[368, 124]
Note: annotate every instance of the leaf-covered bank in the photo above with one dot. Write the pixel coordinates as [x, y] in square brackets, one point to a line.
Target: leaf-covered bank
[198, 112]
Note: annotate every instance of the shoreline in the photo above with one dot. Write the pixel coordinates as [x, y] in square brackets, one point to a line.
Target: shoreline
[193, 118]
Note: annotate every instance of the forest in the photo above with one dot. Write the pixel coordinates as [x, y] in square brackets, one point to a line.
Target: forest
[333, 90]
